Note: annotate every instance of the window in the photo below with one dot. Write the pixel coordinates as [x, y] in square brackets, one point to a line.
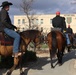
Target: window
[32, 21]
[23, 21]
[18, 21]
[41, 21]
[37, 21]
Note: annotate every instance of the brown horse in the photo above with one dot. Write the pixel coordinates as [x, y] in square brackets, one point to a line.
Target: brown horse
[26, 37]
[34, 36]
[56, 43]
[6, 50]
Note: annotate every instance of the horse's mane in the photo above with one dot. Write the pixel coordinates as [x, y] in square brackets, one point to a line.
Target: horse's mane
[27, 34]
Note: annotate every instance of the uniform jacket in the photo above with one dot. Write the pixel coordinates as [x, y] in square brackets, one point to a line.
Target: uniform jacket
[5, 21]
[59, 22]
[69, 30]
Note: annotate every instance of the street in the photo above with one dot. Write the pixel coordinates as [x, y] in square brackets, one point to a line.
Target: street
[43, 67]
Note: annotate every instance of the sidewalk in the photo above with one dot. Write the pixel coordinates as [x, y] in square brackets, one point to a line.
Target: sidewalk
[72, 67]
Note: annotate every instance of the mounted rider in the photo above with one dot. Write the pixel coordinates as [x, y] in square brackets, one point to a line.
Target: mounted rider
[59, 22]
[69, 30]
[7, 27]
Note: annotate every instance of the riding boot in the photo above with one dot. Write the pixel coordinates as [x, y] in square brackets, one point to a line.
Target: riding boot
[16, 54]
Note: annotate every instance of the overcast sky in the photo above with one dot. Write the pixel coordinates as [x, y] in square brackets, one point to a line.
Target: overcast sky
[44, 6]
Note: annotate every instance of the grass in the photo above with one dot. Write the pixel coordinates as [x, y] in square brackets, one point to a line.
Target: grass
[44, 46]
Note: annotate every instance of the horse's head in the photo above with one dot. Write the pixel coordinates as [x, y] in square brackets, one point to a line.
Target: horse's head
[32, 35]
[39, 38]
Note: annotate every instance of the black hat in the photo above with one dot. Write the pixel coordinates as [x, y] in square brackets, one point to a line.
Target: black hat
[5, 3]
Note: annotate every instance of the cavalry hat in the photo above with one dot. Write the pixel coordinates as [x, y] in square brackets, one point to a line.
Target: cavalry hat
[5, 3]
[68, 26]
[58, 13]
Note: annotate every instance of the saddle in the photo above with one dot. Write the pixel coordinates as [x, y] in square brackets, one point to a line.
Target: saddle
[56, 29]
[5, 39]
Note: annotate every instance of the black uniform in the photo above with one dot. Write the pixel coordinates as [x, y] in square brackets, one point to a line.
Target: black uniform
[69, 30]
[59, 22]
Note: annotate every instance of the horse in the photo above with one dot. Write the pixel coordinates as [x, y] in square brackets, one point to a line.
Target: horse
[6, 49]
[56, 43]
[26, 37]
[74, 40]
[34, 36]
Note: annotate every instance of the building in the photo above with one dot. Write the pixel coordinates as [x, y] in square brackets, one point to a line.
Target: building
[43, 21]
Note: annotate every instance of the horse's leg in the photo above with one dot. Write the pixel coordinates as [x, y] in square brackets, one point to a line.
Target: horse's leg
[16, 60]
[68, 49]
[63, 48]
[20, 64]
[59, 55]
[34, 46]
[51, 59]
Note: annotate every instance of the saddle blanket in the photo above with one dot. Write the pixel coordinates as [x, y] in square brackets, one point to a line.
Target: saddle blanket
[5, 39]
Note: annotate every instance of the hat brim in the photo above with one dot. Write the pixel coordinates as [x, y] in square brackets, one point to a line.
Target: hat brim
[6, 4]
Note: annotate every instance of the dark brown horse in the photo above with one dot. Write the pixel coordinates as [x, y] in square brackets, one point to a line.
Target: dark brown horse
[34, 36]
[26, 37]
[56, 43]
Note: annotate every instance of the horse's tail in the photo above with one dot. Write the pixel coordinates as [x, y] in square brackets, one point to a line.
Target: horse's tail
[54, 43]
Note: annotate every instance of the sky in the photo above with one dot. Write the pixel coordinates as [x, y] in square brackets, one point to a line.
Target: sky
[44, 6]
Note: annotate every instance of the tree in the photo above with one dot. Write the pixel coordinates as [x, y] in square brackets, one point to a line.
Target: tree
[26, 7]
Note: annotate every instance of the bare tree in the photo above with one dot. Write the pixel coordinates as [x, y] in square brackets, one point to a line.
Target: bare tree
[26, 7]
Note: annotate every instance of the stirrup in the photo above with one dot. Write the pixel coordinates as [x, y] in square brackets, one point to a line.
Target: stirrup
[69, 45]
[17, 54]
[23, 52]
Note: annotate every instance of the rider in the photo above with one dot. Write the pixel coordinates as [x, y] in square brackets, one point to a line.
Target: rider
[59, 22]
[69, 30]
[8, 27]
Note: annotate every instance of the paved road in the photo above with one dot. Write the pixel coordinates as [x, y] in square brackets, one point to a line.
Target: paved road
[42, 66]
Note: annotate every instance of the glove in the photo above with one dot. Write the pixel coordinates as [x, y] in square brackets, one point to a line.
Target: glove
[14, 26]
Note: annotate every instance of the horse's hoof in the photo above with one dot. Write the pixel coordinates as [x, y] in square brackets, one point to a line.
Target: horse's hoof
[60, 64]
[8, 73]
[52, 66]
[22, 73]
